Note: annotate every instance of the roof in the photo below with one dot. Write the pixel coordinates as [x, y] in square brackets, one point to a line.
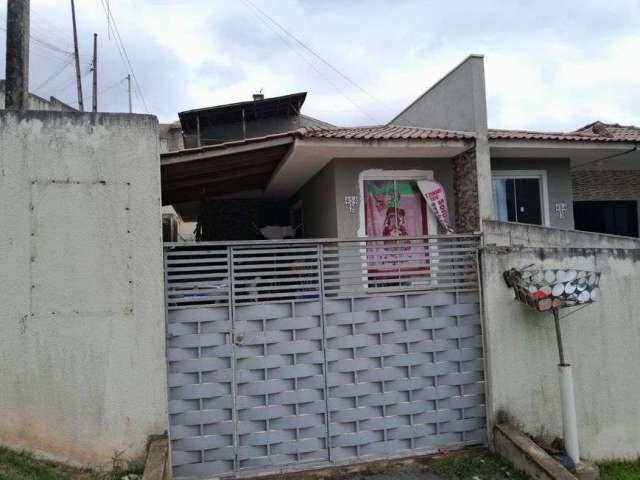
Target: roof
[376, 132]
[383, 132]
[594, 132]
[253, 110]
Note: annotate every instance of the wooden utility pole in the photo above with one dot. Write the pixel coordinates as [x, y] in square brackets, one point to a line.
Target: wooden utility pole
[129, 88]
[77, 55]
[94, 103]
[17, 58]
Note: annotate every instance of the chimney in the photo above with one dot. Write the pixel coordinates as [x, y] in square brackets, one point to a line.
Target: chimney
[258, 96]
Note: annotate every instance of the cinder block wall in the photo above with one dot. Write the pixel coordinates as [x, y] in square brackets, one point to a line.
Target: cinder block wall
[601, 340]
[82, 369]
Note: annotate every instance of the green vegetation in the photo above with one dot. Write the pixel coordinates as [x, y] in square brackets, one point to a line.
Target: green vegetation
[617, 470]
[23, 466]
[476, 467]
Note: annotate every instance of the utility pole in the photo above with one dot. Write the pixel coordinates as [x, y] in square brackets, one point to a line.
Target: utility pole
[129, 87]
[17, 58]
[94, 103]
[77, 55]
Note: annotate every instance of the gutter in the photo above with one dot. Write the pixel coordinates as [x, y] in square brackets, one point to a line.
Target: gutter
[608, 157]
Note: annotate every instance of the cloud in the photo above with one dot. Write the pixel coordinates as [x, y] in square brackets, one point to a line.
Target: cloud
[549, 65]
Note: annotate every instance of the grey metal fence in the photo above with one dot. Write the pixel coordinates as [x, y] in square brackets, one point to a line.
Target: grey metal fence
[283, 353]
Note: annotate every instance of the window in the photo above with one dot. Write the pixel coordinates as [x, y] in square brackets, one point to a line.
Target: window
[613, 217]
[520, 197]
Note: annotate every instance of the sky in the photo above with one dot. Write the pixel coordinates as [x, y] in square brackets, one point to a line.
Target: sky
[549, 65]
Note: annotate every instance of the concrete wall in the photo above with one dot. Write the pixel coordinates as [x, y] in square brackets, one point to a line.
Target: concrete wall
[558, 180]
[39, 103]
[509, 234]
[82, 367]
[319, 204]
[601, 341]
[347, 172]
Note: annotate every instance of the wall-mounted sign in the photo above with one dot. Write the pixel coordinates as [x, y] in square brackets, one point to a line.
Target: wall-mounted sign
[352, 202]
[437, 200]
[561, 209]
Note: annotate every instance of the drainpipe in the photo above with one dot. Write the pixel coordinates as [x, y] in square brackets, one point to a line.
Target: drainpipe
[567, 399]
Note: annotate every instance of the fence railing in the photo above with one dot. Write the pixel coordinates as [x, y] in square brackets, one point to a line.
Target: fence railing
[208, 273]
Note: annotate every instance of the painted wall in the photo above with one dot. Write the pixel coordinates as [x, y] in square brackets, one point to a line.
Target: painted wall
[601, 341]
[558, 179]
[82, 367]
[347, 172]
[458, 101]
[319, 204]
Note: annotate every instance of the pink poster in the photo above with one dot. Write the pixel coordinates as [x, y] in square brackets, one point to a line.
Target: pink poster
[395, 209]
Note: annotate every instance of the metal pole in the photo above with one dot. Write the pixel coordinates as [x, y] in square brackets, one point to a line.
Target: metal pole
[17, 56]
[77, 57]
[94, 102]
[198, 130]
[556, 319]
[567, 399]
[129, 87]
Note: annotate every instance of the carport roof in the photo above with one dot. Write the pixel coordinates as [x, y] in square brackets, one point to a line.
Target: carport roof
[248, 165]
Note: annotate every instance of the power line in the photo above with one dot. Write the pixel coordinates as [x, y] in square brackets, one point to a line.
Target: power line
[317, 70]
[316, 54]
[123, 54]
[112, 86]
[54, 75]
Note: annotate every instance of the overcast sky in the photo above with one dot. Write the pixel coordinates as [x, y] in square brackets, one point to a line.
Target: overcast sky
[550, 65]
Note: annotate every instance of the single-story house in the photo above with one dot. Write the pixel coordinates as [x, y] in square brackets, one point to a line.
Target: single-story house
[264, 163]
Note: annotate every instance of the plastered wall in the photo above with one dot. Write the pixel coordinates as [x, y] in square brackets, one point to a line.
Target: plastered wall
[82, 369]
[601, 342]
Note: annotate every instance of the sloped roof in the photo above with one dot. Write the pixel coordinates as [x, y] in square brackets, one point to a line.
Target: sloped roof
[383, 132]
[594, 132]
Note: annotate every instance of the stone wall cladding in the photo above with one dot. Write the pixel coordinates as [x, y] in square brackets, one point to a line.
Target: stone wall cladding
[465, 184]
[592, 185]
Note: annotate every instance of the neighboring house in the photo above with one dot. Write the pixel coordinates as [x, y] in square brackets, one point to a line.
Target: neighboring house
[255, 118]
[39, 103]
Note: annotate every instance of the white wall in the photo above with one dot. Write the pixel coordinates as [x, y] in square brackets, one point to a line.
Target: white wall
[82, 372]
[602, 341]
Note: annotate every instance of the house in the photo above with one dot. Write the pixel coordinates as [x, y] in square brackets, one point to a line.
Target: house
[250, 155]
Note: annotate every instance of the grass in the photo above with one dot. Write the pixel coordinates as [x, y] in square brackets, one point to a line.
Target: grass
[23, 466]
[477, 467]
[476, 464]
[618, 470]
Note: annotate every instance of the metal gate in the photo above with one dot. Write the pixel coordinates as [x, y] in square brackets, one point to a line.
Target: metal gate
[316, 351]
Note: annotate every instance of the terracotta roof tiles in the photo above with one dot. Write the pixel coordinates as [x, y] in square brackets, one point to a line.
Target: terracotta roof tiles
[383, 132]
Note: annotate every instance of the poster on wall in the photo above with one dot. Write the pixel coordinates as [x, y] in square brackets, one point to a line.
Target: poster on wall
[436, 198]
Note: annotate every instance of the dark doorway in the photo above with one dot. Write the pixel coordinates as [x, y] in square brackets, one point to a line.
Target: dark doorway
[614, 217]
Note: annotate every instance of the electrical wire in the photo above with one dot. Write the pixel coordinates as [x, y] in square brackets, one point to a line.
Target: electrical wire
[123, 53]
[54, 75]
[317, 70]
[317, 55]
[112, 86]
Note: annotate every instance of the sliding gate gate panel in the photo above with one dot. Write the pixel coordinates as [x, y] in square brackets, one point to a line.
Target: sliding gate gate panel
[311, 352]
